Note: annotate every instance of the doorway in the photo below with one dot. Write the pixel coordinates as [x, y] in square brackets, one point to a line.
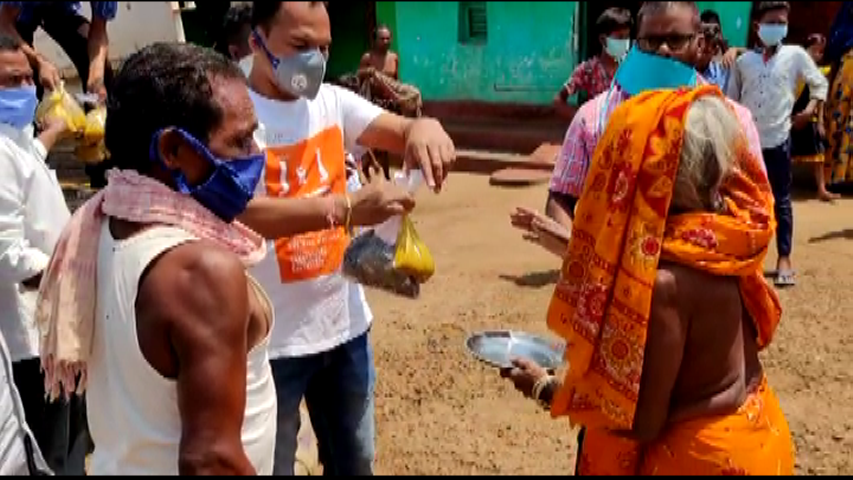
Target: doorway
[352, 32]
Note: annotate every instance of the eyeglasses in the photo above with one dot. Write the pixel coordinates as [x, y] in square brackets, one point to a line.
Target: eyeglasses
[675, 42]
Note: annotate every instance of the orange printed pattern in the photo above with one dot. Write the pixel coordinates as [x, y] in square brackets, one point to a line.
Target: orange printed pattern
[602, 303]
[311, 168]
[753, 441]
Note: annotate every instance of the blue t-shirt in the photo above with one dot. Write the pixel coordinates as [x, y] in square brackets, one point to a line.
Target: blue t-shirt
[105, 10]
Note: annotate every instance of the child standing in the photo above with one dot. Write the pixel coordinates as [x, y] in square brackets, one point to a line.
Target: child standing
[808, 141]
[765, 82]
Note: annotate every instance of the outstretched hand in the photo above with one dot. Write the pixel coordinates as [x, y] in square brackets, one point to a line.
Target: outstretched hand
[541, 230]
[429, 148]
[524, 374]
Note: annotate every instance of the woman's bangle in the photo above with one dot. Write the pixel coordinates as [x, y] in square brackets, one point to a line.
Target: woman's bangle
[539, 387]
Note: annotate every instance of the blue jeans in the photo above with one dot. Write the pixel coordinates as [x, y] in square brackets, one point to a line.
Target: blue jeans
[338, 387]
[779, 172]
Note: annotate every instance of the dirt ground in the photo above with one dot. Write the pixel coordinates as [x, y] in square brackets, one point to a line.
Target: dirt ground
[441, 412]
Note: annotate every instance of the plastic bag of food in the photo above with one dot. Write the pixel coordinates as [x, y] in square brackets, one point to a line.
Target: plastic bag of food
[59, 104]
[96, 121]
[92, 154]
[391, 257]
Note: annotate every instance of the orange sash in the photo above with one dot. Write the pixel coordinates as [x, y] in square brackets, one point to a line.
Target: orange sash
[602, 303]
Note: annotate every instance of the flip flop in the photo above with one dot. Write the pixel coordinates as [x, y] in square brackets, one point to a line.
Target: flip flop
[786, 278]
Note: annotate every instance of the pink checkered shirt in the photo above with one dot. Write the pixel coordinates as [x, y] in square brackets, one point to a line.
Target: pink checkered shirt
[586, 128]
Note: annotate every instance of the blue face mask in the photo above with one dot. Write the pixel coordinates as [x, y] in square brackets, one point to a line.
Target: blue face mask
[641, 72]
[301, 74]
[231, 185]
[18, 106]
[772, 35]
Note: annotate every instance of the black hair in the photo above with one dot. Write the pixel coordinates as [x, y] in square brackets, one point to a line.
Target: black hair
[613, 20]
[9, 44]
[814, 39]
[237, 23]
[163, 85]
[380, 27]
[263, 13]
[764, 8]
[649, 8]
[710, 16]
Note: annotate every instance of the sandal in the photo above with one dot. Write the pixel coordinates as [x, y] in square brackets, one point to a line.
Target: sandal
[786, 278]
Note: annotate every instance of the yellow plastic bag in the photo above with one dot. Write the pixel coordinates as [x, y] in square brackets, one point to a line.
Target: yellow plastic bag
[60, 104]
[411, 255]
[96, 121]
[391, 257]
[92, 154]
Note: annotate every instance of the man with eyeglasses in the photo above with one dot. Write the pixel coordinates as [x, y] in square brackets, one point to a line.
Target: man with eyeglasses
[669, 46]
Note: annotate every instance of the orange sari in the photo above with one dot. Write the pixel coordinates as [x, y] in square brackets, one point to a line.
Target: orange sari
[602, 303]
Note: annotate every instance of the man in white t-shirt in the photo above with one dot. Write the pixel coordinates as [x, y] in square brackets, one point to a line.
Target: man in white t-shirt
[320, 347]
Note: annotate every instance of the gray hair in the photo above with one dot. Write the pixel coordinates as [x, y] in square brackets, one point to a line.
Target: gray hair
[711, 136]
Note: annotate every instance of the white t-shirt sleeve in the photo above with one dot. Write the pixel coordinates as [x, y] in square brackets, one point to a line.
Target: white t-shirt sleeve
[356, 115]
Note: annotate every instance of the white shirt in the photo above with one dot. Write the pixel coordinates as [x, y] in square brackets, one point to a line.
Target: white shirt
[33, 213]
[13, 426]
[305, 140]
[133, 412]
[768, 89]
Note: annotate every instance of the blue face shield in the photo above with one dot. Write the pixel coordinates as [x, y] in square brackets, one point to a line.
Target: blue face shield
[230, 187]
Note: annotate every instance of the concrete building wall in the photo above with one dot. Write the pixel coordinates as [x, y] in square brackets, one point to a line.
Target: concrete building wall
[529, 51]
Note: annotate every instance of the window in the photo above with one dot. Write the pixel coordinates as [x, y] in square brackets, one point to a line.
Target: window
[473, 25]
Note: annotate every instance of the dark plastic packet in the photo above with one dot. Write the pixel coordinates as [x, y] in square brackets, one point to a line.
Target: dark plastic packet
[370, 261]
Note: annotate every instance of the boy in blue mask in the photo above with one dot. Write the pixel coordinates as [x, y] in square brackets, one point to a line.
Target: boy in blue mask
[33, 213]
[594, 76]
[668, 47]
[765, 81]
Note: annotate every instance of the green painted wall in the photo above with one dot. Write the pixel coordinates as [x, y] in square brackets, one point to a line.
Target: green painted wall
[735, 18]
[529, 52]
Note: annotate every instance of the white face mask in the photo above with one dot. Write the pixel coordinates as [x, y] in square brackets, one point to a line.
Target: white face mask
[617, 48]
[772, 35]
[246, 63]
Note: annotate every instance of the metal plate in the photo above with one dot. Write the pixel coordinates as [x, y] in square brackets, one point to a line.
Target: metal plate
[499, 348]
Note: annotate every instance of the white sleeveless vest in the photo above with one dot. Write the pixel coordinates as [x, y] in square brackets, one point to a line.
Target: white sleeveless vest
[132, 409]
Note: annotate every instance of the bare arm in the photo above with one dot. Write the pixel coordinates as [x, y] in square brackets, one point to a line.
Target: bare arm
[201, 295]
[98, 47]
[561, 208]
[275, 218]
[423, 143]
[55, 130]
[665, 343]
[48, 75]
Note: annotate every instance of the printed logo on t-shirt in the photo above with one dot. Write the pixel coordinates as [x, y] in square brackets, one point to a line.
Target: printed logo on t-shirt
[310, 168]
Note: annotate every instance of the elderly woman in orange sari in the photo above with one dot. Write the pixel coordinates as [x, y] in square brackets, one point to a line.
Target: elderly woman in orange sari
[662, 302]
